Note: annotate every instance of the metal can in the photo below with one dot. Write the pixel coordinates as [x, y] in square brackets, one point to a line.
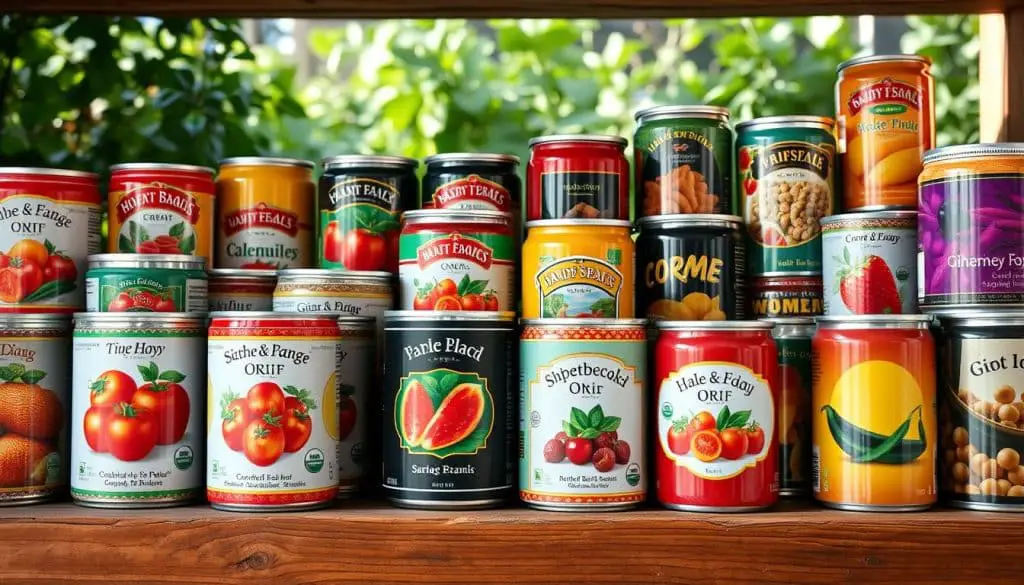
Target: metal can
[577, 176]
[577, 268]
[163, 283]
[236, 289]
[795, 295]
[34, 401]
[885, 121]
[873, 408]
[137, 400]
[460, 180]
[333, 291]
[786, 167]
[361, 200]
[981, 409]
[683, 156]
[690, 268]
[969, 226]
[156, 208]
[715, 409]
[457, 260]
[274, 381]
[265, 213]
[793, 339]
[448, 409]
[870, 263]
[581, 414]
[357, 382]
[51, 221]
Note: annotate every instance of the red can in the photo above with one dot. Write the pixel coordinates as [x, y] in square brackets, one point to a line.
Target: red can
[581, 176]
[716, 416]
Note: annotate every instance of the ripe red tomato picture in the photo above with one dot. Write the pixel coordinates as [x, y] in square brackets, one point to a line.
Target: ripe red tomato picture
[111, 388]
[59, 267]
[263, 441]
[164, 305]
[130, 433]
[679, 436]
[145, 300]
[122, 302]
[233, 422]
[472, 302]
[423, 303]
[364, 250]
[446, 287]
[703, 421]
[169, 404]
[148, 247]
[297, 424]
[490, 301]
[94, 426]
[264, 398]
[734, 443]
[348, 413]
[20, 278]
[755, 439]
[332, 242]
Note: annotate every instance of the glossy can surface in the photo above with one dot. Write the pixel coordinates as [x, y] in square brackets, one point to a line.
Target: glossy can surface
[472, 181]
[874, 428]
[787, 296]
[793, 338]
[577, 176]
[357, 390]
[334, 291]
[232, 289]
[577, 269]
[581, 414]
[161, 283]
[715, 407]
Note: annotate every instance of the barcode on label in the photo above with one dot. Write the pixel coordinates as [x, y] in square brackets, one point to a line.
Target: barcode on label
[816, 469]
[196, 293]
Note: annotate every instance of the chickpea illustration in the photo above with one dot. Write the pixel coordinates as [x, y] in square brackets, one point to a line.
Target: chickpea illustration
[1008, 458]
[963, 454]
[1015, 491]
[960, 437]
[972, 490]
[989, 487]
[1004, 394]
[1019, 405]
[1002, 487]
[979, 461]
[1016, 476]
[960, 472]
[1008, 413]
[984, 408]
[965, 396]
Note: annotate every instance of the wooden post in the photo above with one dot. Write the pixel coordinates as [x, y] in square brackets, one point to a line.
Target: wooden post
[1002, 76]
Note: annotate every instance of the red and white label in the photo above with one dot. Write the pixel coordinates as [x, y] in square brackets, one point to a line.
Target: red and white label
[472, 192]
[886, 91]
[263, 237]
[261, 217]
[454, 247]
[158, 196]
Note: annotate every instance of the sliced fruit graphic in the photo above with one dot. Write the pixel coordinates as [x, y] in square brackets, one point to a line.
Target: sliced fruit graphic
[330, 407]
[456, 418]
[415, 412]
[706, 446]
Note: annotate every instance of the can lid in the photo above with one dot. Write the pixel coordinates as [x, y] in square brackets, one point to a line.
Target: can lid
[375, 276]
[455, 316]
[602, 138]
[185, 261]
[157, 320]
[48, 172]
[770, 122]
[357, 320]
[161, 167]
[271, 315]
[16, 321]
[873, 321]
[969, 151]
[269, 161]
[584, 322]
[689, 220]
[470, 158]
[345, 161]
[976, 310]
[448, 216]
[883, 59]
[980, 316]
[243, 273]
[694, 111]
[904, 214]
[713, 325]
[576, 222]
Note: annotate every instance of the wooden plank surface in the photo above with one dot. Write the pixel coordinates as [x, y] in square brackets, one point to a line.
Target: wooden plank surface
[1001, 73]
[504, 8]
[373, 543]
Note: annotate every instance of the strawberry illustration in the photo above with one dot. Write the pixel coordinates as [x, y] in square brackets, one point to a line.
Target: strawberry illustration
[867, 285]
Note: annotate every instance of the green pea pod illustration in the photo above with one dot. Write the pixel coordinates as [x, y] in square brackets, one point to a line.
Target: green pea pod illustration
[864, 446]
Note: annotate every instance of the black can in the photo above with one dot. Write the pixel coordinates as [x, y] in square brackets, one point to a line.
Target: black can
[449, 409]
[793, 337]
[360, 206]
[473, 181]
[690, 267]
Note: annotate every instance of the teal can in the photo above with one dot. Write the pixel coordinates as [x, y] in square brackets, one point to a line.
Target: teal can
[157, 283]
[786, 177]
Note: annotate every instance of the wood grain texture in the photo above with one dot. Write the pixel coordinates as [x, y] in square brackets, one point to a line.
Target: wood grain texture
[503, 8]
[372, 543]
[1001, 77]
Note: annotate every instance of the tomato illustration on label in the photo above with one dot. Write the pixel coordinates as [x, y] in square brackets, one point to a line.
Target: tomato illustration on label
[157, 219]
[456, 272]
[268, 422]
[32, 272]
[444, 412]
[360, 231]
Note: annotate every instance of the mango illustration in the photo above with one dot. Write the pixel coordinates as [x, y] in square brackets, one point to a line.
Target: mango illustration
[881, 146]
[900, 167]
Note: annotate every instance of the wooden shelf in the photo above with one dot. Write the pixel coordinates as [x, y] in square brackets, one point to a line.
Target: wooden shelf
[360, 542]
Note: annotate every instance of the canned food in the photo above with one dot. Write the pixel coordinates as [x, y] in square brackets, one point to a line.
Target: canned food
[577, 268]
[885, 122]
[981, 409]
[581, 414]
[361, 200]
[164, 283]
[234, 289]
[333, 291]
[457, 260]
[796, 295]
[358, 348]
[690, 268]
[138, 392]
[157, 208]
[577, 176]
[34, 400]
[265, 213]
[715, 411]
[51, 221]
[786, 168]
[473, 181]
[793, 339]
[870, 265]
[683, 156]
[873, 409]
[274, 380]
[970, 225]
[448, 409]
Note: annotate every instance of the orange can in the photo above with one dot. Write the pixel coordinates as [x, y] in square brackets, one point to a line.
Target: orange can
[885, 122]
[265, 213]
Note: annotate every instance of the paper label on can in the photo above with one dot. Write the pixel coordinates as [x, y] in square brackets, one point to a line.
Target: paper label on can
[358, 352]
[359, 222]
[717, 419]
[228, 301]
[580, 194]
[457, 271]
[472, 192]
[157, 218]
[870, 267]
[145, 294]
[580, 286]
[366, 305]
[263, 237]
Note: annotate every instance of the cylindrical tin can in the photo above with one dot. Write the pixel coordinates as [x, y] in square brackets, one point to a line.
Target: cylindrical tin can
[581, 414]
[357, 383]
[786, 167]
[577, 176]
[457, 260]
[690, 268]
[51, 223]
[885, 120]
[970, 226]
[265, 213]
[449, 414]
[793, 339]
[237, 289]
[870, 263]
[683, 161]
[333, 291]
[981, 409]
[274, 381]
[162, 283]
[157, 208]
[873, 408]
[795, 295]
[361, 201]
[137, 400]
[34, 401]
[459, 180]
[577, 268]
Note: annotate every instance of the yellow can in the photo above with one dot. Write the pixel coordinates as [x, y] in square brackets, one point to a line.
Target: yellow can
[578, 268]
[265, 210]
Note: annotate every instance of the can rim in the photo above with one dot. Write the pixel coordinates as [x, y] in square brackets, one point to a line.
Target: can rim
[974, 310]
[679, 111]
[356, 320]
[447, 216]
[35, 321]
[804, 274]
[799, 121]
[334, 275]
[243, 273]
[599, 138]
[584, 322]
[830, 320]
[968, 151]
[809, 321]
[117, 260]
[271, 315]
[893, 57]
[750, 325]
[141, 166]
[470, 157]
[273, 161]
[576, 222]
[405, 315]
[342, 161]
[48, 172]
[689, 219]
[864, 215]
[158, 318]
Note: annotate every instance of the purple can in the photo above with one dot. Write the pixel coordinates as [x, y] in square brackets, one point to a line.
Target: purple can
[971, 226]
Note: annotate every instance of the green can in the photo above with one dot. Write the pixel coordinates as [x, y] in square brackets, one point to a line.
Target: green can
[793, 339]
[160, 283]
[786, 176]
[683, 160]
